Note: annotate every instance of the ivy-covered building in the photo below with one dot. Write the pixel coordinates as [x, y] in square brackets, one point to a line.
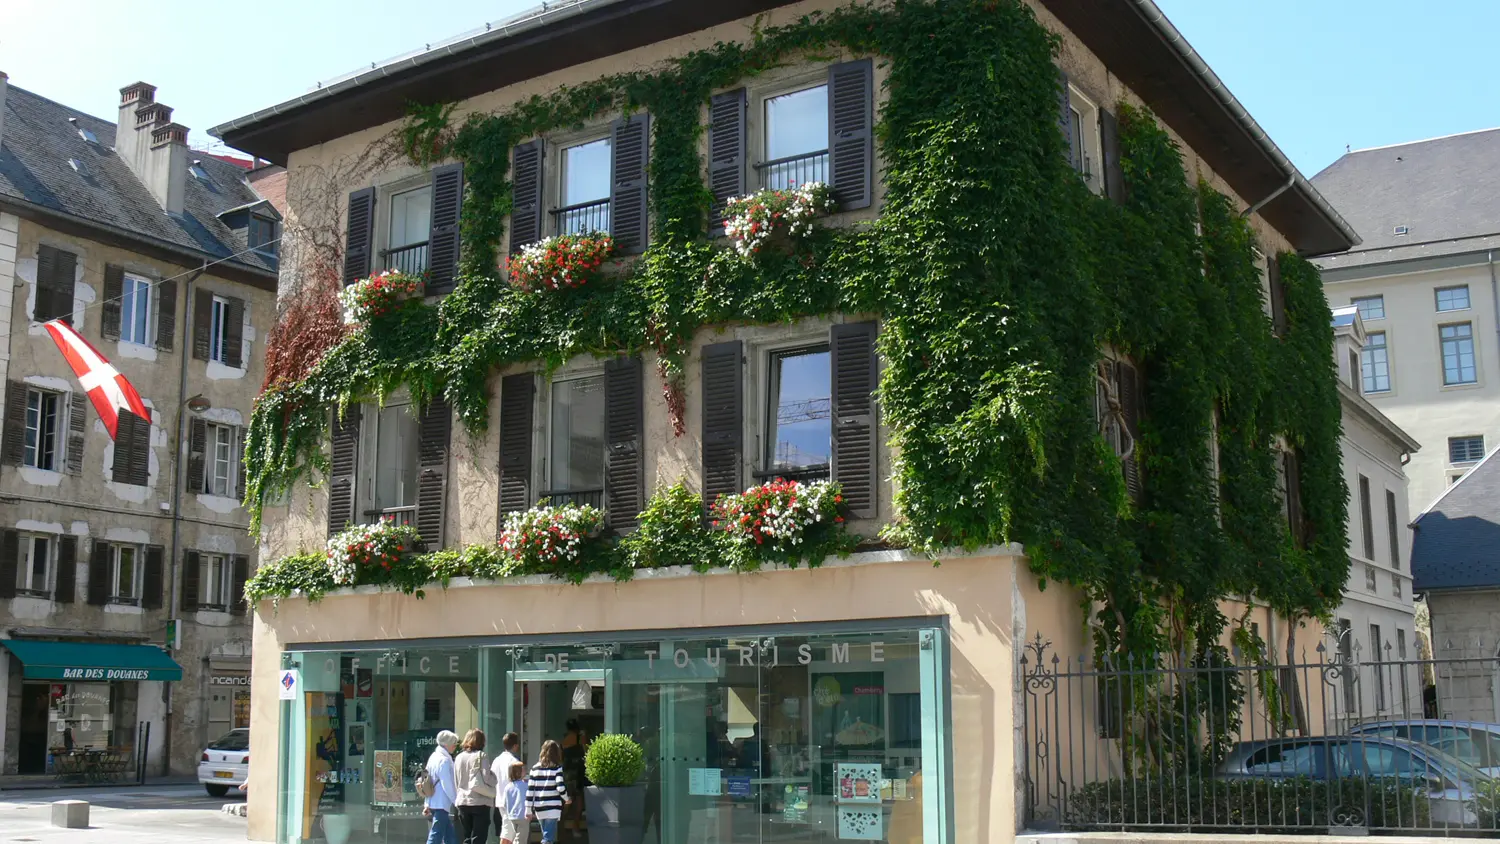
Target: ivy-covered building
[751, 378]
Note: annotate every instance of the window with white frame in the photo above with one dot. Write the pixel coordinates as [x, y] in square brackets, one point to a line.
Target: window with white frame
[44, 422]
[585, 179]
[135, 311]
[410, 228]
[1375, 363]
[126, 564]
[218, 335]
[799, 418]
[1084, 137]
[394, 479]
[1370, 307]
[1465, 449]
[796, 138]
[576, 436]
[1454, 298]
[1458, 353]
[34, 569]
[219, 467]
[214, 581]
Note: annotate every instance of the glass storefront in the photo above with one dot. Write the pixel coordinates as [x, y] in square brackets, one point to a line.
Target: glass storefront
[792, 736]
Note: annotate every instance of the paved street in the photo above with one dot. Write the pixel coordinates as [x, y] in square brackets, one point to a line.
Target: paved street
[174, 814]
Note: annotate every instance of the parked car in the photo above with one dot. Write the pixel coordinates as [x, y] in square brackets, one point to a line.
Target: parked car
[1451, 783]
[1474, 742]
[225, 763]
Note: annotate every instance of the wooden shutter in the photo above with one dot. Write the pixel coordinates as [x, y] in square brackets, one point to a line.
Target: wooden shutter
[114, 291]
[1065, 118]
[851, 149]
[132, 463]
[54, 284]
[517, 405]
[342, 465]
[723, 419]
[166, 314]
[99, 574]
[191, 582]
[77, 431]
[625, 466]
[237, 464]
[197, 456]
[1277, 293]
[66, 589]
[155, 577]
[443, 239]
[855, 456]
[435, 426]
[1114, 173]
[10, 562]
[726, 153]
[241, 566]
[1128, 389]
[630, 149]
[526, 188]
[203, 318]
[359, 236]
[14, 445]
[1295, 520]
[234, 332]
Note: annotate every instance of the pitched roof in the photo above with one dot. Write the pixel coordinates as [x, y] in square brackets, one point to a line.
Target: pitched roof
[46, 162]
[1445, 191]
[1457, 539]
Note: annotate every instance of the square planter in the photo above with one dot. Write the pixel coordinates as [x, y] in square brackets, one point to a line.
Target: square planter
[616, 815]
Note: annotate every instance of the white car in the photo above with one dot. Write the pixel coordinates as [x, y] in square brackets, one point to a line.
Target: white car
[225, 763]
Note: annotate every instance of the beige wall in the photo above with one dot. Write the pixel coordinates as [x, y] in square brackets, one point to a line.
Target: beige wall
[1466, 626]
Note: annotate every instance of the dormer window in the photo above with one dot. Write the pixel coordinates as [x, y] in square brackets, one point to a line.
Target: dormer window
[83, 131]
[198, 172]
[262, 235]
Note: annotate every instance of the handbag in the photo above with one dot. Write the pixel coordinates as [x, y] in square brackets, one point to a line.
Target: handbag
[480, 787]
[425, 785]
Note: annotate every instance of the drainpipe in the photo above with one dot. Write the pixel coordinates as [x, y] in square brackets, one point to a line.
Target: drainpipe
[1494, 291]
[1275, 193]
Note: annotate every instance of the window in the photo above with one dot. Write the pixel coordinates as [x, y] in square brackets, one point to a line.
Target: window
[219, 469]
[1453, 298]
[1378, 656]
[799, 418]
[396, 433]
[1080, 155]
[1370, 307]
[1458, 353]
[1401, 644]
[218, 331]
[411, 225]
[1375, 363]
[198, 172]
[135, 311]
[215, 581]
[1366, 518]
[1465, 449]
[577, 434]
[1394, 528]
[586, 170]
[262, 235]
[1285, 760]
[127, 573]
[34, 569]
[43, 422]
[796, 138]
[1371, 578]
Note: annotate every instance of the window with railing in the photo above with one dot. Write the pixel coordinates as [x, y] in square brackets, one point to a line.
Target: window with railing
[796, 142]
[584, 206]
[410, 225]
[576, 447]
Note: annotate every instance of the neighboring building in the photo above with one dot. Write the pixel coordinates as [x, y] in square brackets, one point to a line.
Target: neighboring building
[164, 259]
[1424, 280]
[1376, 622]
[1456, 562]
[882, 658]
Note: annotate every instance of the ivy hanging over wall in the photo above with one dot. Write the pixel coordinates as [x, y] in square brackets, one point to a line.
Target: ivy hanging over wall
[997, 277]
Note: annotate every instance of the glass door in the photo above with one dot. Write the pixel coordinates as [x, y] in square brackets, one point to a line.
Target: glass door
[570, 707]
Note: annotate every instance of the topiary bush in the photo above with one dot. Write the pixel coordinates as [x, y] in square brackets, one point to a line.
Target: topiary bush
[614, 761]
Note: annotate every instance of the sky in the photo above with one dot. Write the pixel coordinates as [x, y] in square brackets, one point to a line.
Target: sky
[1319, 75]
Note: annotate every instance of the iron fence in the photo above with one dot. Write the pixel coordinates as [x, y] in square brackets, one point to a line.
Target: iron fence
[789, 172]
[583, 218]
[1234, 740]
[411, 260]
[581, 497]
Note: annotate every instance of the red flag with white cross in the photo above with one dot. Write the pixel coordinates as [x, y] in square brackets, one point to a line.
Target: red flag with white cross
[106, 387]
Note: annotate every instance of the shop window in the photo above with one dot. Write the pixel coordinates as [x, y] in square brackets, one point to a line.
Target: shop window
[799, 419]
[394, 491]
[215, 581]
[125, 569]
[136, 311]
[34, 568]
[577, 441]
[584, 198]
[43, 424]
[219, 473]
[796, 139]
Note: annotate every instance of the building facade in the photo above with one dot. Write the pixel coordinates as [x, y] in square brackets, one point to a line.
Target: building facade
[114, 548]
[870, 698]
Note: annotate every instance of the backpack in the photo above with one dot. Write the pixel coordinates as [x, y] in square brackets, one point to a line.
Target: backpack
[425, 785]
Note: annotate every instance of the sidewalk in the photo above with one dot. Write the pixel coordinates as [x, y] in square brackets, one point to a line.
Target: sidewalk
[155, 814]
[32, 782]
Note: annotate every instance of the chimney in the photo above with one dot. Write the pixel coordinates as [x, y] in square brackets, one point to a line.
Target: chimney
[152, 145]
[3, 86]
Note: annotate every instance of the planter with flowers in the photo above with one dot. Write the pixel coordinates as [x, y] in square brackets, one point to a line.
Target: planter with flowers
[556, 540]
[561, 262]
[783, 521]
[363, 554]
[768, 217]
[378, 295]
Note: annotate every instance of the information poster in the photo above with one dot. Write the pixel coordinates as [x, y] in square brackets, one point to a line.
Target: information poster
[858, 782]
[389, 778]
[704, 782]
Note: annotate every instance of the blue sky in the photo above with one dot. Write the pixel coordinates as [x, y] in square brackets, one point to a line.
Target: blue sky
[1318, 74]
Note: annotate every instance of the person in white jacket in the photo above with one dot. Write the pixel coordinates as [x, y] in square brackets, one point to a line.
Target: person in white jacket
[439, 807]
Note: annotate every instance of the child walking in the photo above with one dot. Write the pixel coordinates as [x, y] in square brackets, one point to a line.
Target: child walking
[514, 828]
[546, 793]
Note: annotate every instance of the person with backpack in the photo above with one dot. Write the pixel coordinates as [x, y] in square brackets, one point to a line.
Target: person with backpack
[546, 792]
[439, 791]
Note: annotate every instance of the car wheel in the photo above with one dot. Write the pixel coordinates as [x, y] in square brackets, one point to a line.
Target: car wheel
[216, 790]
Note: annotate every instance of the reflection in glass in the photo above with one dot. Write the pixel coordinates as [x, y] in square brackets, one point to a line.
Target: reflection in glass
[395, 458]
[578, 433]
[411, 217]
[797, 123]
[800, 424]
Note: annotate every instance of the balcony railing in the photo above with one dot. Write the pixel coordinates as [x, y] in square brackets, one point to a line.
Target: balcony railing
[803, 474]
[583, 218]
[411, 259]
[400, 515]
[592, 497]
[794, 170]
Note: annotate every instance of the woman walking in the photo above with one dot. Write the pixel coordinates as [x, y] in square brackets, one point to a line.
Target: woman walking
[476, 789]
[546, 793]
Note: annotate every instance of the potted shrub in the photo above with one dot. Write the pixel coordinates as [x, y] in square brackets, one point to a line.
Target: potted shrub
[616, 802]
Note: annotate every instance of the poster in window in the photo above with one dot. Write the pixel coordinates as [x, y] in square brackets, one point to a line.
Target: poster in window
[356, 740]
[364, 682]
[858, 782]
[388, 778]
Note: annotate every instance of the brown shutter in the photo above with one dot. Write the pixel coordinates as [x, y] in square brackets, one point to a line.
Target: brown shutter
[435, 427]
[1129, 391]
[14, 445]
[132, 464]
[197, 455]
[66, 590]
[726, 153]
[851, 150]
[1277, 294]
[241, 566]
[723, 419]
[77, 431]
[1065, 118]
[342, 469]
[54, 284]
[155, 577]
[99, 574]
[517, 401]
[526, 188]
[855, 456]
[443, 239]
[237, 464]
[624, 426]
[203, 318]
[114, 291]
[10, 562]
[124, 426]
[192, 579]
[1114, 173]
[166, 313]
[1295, 520]
[234, 332]
[359, 239]
[630, 149]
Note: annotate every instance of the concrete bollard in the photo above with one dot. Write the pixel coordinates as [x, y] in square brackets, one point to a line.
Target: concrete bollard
[70, 814]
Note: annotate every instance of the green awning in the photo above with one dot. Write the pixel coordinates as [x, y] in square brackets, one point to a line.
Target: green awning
[92, 662]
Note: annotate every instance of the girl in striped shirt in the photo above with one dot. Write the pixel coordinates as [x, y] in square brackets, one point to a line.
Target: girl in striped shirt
[546, 794]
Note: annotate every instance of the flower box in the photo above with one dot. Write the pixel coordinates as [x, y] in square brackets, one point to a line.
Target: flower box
[378, 295]
[366, 553]
[765, 217]
[548, 539]
[559, 262]
[781, 515]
